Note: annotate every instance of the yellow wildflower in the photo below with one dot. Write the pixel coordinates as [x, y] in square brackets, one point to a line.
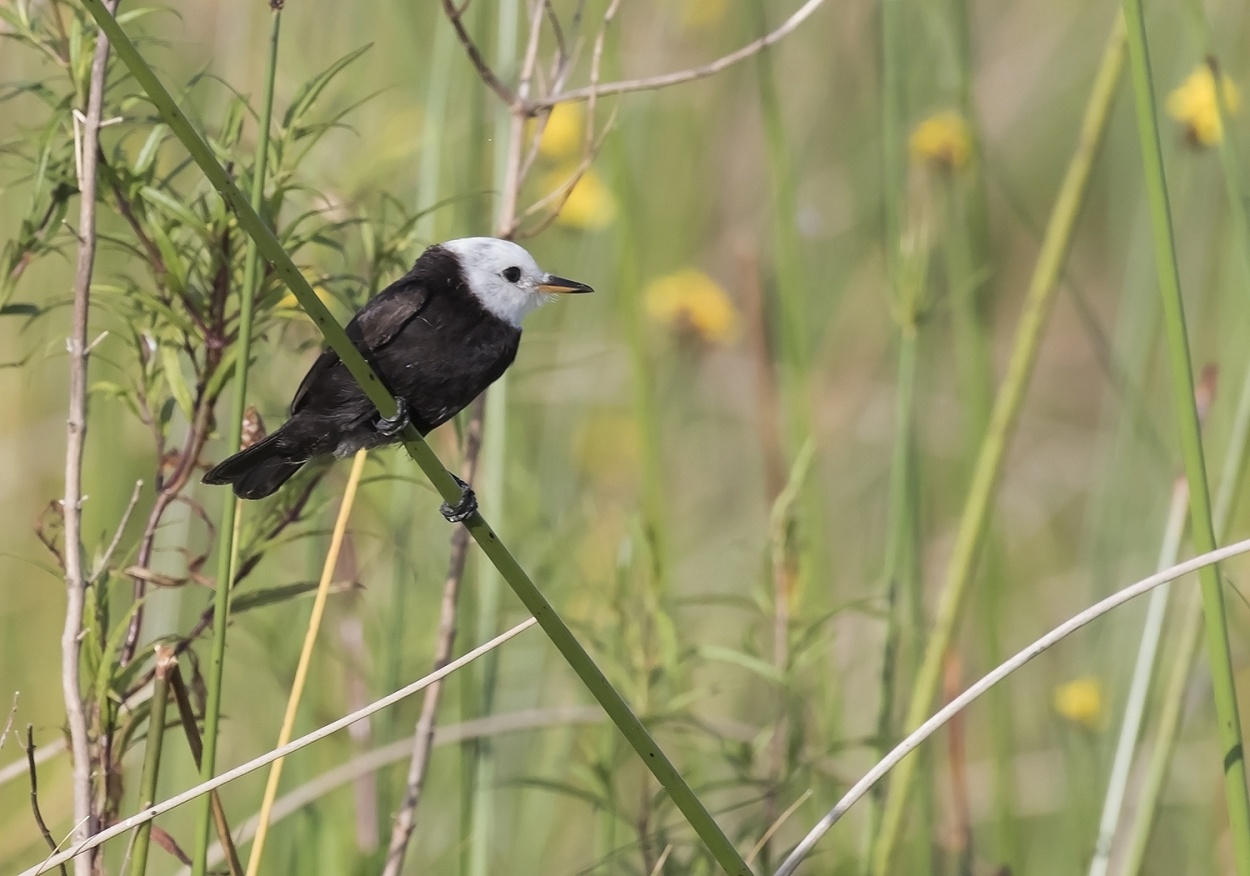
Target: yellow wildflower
[1081, 701]
[565, 131]
[691, 302]
[942, 140]
[590, 204]
[314, 278]
[1193, 105]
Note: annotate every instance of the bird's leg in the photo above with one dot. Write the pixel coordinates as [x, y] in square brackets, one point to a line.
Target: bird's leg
[465, 508]
[392, 426]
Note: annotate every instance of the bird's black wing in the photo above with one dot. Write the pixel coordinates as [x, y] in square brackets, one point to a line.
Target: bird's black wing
[375, 326]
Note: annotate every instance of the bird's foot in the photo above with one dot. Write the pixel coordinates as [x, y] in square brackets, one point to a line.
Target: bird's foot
[392, 426]
[465, 508]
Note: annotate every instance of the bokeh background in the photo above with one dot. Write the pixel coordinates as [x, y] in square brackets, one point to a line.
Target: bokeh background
[635, 463]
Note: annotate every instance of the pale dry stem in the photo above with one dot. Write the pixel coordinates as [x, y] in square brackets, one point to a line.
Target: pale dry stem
[76, 430]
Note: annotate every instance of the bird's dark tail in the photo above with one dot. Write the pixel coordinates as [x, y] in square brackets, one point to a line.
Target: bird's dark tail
[259, 470]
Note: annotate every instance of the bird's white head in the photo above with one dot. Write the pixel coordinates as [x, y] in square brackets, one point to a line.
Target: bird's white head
[505, 278]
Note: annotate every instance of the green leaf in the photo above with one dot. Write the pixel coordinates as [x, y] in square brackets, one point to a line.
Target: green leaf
[176, 267]
[176, 209]
[311, 90]
[176, 381]
[108, 656]
[762, 668]
[147, 153]
[282, 593]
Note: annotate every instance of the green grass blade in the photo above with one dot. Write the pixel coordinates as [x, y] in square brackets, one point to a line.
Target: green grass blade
[1218, 647]
[229, 511]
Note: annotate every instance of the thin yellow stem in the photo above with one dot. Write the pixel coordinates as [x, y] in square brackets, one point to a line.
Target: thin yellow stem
[305, 658]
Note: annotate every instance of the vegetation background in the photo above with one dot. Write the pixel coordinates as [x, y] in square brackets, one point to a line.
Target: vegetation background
[698, 456]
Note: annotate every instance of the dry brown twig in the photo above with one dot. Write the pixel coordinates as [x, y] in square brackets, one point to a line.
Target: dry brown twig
[423, 738]
[33, 772]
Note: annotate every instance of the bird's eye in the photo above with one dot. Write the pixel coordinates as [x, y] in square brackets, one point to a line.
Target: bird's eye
[512, 274]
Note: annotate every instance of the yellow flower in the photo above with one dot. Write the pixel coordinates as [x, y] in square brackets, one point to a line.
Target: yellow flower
[314, 278]
[1081, 701]
[565, 131]
[942, 140]
[1193, 105]
[591, 203]
[692, 302]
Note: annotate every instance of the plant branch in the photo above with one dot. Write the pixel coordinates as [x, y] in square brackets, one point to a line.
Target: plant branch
[33, 772]
[85, 822]
[454, 15]
[653, 83]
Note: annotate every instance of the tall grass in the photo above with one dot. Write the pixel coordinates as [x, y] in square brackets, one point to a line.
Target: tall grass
[716, 519]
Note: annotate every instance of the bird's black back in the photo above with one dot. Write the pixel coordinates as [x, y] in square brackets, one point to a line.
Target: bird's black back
[431, 342]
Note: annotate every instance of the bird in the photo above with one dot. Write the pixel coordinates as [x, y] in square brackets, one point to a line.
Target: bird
[437, 337]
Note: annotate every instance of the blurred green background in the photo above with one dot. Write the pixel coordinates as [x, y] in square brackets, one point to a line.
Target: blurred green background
[637, 466]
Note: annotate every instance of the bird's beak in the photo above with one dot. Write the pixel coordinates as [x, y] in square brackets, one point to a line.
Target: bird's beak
[553, 284]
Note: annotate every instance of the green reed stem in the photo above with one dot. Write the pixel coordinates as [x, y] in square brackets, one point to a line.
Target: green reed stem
[1203, 532]
[152, 758]
[553, 625]
[227, 528]
[1232, 476]
[1003, 420]
[906, 273]
[479, 754]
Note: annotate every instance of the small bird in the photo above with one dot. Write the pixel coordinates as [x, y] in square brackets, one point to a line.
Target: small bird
[437, 337]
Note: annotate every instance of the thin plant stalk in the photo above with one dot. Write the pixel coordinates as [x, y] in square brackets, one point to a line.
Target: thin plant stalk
[152, 757]
[479, 753]
[1143, 672]
[618, 711]
[787, 260]
[190, 729]
[794, 445]
[900, 550]
[901, 525]
[405, 820]
[305, 657]
[429, 191]
[1139, 687]
[85, 816]
[1231, 477]
[971, 284]
[967, 248]
[1003, 420]
[1203, 532]
[228, 527]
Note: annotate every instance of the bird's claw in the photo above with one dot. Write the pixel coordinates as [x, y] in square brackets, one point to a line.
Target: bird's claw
[465, 508]
[392, 426]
